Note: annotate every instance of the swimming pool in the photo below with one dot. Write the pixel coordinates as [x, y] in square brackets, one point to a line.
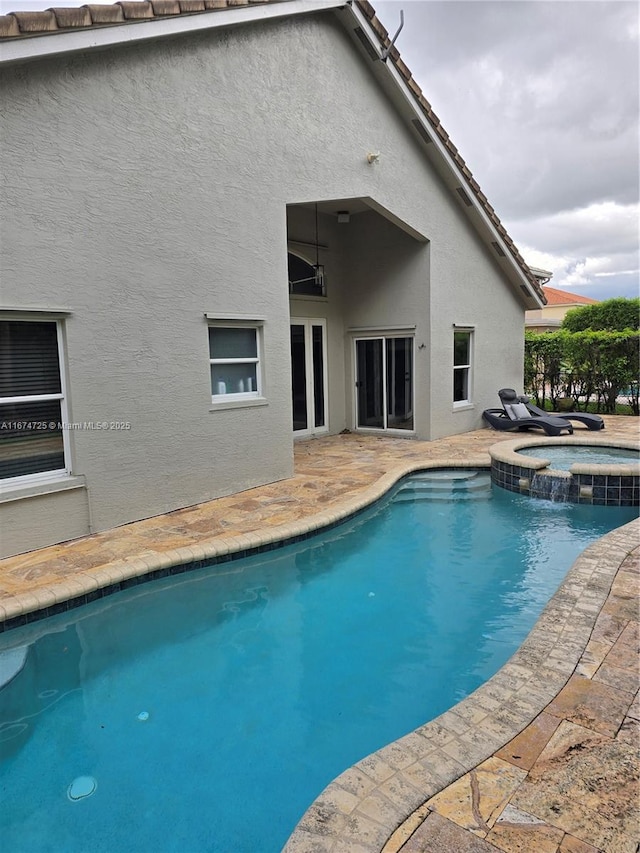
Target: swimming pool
[263, 679]
[562, 457]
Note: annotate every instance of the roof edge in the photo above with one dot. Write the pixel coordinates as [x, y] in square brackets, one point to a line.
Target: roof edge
[22, 38]
[25, 36]
[448, 150]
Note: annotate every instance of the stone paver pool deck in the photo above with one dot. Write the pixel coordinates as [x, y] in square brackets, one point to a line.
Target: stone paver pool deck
[543, 757]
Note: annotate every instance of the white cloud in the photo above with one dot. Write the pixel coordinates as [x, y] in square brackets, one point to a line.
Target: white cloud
[542, 100]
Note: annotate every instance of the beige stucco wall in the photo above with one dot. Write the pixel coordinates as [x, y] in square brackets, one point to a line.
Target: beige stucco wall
[146, 186]
[549, 312]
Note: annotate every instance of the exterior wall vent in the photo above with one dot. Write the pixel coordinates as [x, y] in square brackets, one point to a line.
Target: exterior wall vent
[421, 129]
[366, 43]
[499, 251]
[463, 195]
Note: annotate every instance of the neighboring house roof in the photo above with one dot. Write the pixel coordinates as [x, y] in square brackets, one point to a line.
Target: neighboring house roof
[59, 21]
[564, 297]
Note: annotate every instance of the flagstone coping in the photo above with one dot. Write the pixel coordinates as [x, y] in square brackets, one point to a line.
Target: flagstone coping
[508, 452]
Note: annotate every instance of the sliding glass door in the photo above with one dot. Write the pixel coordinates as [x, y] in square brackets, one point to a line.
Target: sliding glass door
[309, 375]
[384, 383]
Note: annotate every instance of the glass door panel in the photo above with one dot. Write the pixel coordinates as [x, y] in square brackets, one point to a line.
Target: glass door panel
[369, 383]
[299, 377]
[384, 383]
[399, 352]
[317, 338]
[309, 375]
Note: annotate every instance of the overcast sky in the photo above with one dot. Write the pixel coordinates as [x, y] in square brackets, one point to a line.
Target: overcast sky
[541, 99]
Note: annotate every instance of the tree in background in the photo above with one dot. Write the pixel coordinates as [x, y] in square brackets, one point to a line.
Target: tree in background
[595, 357]
[612, 315]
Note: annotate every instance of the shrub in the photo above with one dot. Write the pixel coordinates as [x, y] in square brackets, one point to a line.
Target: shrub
[586, 366]
[611, 315]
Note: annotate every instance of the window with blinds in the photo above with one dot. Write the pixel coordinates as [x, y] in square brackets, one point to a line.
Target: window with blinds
[31, 399]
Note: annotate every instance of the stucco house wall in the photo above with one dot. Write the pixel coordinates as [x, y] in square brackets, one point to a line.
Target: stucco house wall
[150, 185]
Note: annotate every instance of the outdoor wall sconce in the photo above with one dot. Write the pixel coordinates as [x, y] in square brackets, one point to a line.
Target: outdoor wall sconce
[373, 157]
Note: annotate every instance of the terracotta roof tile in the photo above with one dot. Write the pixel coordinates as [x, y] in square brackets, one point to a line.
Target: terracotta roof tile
[36, 22]
[380, 31]
[21, 24]
[165, 7]
[68, 18]
[367, 8]
[134, 10]
[9, 26]
[105, 14]
[564, 297]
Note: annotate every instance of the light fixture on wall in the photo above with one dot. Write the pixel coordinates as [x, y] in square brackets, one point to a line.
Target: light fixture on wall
[343, 216]
[318, 267]
[373, 157]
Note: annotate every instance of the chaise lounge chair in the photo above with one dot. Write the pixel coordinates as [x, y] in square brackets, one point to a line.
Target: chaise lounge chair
[515, 416]
[592, 422]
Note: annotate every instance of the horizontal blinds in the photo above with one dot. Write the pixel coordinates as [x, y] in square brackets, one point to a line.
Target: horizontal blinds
[29, 361]
[30, 438]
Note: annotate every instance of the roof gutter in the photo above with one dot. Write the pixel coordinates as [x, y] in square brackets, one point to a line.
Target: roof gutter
[131, 32]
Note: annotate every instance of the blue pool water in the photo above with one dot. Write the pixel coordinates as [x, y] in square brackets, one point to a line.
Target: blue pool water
[562, 457]
[209, 710]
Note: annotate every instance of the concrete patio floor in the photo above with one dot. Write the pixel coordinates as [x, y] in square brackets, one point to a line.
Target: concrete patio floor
[542, 758]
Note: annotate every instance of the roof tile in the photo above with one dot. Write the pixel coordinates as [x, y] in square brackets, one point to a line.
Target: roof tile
[165, 7]
[411, 83]
[36, 22]
[9, 26]
[215, 4]
[105, 14]
[367, 8]
[402, 68]
[564, 297]
[67, 17]
[135, 10]
[379, 29]
[191, 6]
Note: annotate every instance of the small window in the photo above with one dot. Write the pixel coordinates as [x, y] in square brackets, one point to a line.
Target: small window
[234, 358]
[32, 404]
[462, 345]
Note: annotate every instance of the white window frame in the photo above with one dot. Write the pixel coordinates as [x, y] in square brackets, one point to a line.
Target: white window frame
[57, 473]
[468, 367]
[383, 334]
[238, 397]
[308, 323]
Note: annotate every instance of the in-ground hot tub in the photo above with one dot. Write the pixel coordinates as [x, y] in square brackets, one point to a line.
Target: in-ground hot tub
[606, 473]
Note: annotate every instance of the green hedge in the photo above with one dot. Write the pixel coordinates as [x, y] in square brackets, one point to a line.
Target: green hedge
[585, 366]
[618, 314]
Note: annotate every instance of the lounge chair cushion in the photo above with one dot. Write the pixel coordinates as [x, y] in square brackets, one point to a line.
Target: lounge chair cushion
[517, 411]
